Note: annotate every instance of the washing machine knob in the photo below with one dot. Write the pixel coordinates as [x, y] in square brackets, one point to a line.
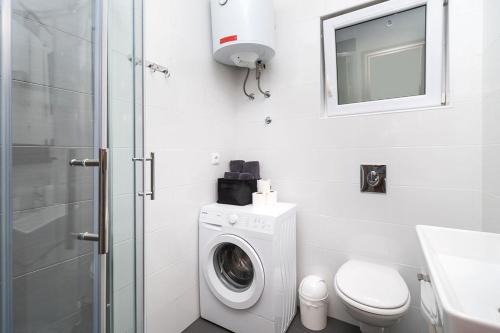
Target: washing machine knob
[233, 218]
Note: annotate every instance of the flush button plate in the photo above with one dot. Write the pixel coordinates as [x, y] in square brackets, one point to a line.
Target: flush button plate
[373, 178]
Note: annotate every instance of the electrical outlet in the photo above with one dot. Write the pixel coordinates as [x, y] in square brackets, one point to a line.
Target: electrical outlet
[215, 158]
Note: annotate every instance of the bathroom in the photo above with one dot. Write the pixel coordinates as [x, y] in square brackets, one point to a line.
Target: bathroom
[139, 78]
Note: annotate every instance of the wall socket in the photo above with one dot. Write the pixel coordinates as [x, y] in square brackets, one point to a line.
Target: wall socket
[215, 158]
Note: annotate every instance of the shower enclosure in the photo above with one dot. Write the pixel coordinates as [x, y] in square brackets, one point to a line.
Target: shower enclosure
[71, 166]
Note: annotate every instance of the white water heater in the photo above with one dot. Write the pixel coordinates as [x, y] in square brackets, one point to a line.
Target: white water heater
[242, 31]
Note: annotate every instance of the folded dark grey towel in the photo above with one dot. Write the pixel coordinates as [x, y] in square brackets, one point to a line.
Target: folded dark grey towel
[245, 176]
[252, 168]
[231, 175]
[236, 165]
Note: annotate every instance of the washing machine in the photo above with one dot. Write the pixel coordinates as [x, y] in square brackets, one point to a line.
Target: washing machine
[247, 264]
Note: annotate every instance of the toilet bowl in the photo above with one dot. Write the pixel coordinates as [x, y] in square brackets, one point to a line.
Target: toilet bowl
[373, 294]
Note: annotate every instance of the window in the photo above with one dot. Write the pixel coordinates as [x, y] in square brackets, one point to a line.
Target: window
[384, 57]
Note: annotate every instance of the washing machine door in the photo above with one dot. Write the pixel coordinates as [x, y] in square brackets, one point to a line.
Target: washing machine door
[233, 271]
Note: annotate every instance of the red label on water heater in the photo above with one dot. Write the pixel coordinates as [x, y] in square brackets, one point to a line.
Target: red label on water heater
[228, 39]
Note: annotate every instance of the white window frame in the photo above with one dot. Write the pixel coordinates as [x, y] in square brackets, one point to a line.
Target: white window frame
[434, 58]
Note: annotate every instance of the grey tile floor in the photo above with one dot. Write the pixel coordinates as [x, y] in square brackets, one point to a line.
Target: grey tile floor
[333, 326]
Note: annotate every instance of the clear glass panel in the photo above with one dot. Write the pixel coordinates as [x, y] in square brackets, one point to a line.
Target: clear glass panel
[382, 58]
[125, 143]
[234, 267]
[55, 275]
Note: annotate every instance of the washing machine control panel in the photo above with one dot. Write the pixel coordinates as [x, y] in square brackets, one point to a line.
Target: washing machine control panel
[238, 220]
[233, 219]
[257, 223]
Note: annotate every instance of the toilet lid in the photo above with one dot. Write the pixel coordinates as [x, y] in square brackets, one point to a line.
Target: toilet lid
[372, 285]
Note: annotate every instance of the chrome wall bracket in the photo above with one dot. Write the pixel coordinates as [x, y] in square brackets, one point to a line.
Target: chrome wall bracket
[158, 68]
[154, 67]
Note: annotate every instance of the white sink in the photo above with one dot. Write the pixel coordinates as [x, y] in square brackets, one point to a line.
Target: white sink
[463, 294]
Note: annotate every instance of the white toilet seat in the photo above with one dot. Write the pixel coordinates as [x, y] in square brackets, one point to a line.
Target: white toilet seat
[376, 311]
[372, 288]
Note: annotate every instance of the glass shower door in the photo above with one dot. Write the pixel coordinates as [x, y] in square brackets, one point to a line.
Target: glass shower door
[65, 93]
[56, 117]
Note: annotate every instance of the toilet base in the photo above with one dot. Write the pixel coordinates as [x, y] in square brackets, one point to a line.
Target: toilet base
[370, 322]
[370, 329]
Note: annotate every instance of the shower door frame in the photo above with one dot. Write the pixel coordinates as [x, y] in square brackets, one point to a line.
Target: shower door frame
[5, 168]
[100, 106]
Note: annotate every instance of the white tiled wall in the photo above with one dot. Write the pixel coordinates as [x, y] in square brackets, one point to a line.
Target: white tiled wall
[491, 122]
[433, 156]
[188, 116]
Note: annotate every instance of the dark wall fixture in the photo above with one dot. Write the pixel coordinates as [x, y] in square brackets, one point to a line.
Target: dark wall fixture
[373, 178]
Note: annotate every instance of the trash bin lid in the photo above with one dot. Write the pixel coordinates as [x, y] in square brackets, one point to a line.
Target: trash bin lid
[313, 288]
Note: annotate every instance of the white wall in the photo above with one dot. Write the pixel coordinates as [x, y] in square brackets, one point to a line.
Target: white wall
[491, 127]
[189, 115]
[433, 156]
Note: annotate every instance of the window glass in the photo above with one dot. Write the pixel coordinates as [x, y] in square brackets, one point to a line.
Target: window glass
[382, 58]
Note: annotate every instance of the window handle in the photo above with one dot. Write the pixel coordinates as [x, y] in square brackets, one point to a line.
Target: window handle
[329, 88]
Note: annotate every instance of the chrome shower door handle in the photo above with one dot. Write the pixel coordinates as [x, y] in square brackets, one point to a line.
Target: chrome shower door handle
[103, 233]
[152, 175]
[103, 201]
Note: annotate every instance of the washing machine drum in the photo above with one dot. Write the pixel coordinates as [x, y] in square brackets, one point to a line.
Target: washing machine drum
[234, 272]
[233, 266]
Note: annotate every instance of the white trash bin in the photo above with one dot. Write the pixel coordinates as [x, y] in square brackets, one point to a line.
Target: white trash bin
[313, 296]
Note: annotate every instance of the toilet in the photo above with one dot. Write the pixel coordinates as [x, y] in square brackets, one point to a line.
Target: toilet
[375, 295]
